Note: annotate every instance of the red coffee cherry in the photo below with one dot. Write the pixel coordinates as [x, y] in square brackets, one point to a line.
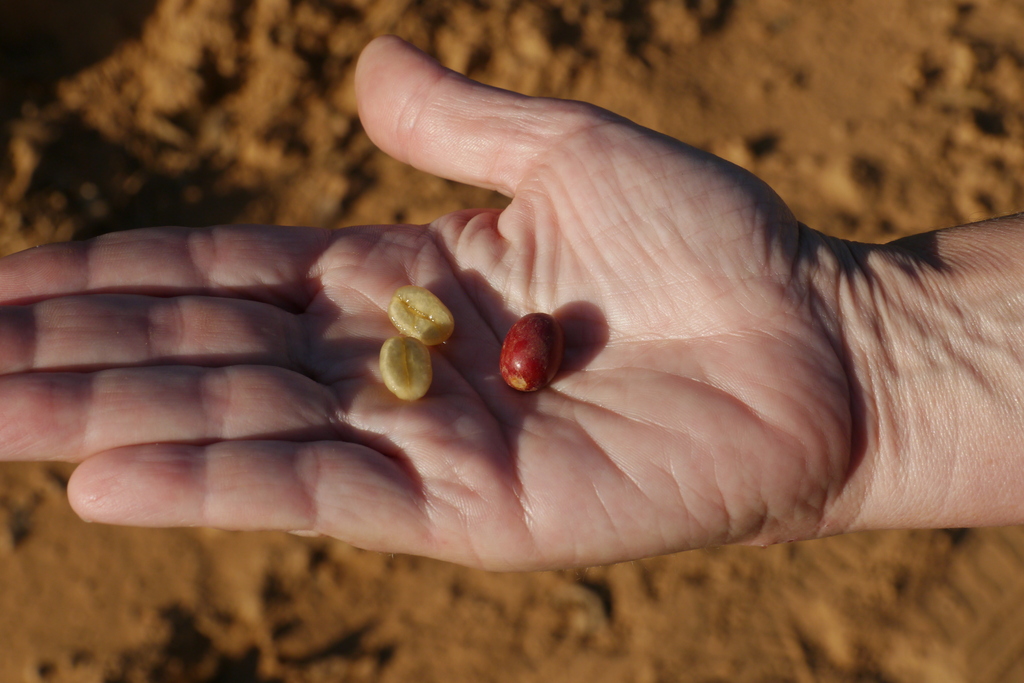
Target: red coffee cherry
[532, 352]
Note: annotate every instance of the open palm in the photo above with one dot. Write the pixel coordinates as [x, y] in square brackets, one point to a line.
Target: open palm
[227, 377]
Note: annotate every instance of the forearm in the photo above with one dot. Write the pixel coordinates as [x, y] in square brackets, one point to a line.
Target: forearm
[933, 330]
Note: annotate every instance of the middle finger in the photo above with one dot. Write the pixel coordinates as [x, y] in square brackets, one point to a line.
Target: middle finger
[96, 331]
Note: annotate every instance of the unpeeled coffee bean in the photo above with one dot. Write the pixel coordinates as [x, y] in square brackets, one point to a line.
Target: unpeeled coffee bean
[532, 352]
[416, 312]
[405, 367]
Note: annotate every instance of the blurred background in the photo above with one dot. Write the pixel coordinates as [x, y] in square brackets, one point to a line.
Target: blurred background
[873, 119]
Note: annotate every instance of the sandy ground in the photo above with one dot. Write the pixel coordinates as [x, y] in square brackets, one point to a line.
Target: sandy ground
[872, 118]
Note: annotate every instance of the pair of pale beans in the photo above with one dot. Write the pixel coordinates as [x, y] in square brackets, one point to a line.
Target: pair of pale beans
[530, 354]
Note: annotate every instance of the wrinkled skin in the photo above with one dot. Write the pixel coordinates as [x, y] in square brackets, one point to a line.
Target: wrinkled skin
[227, 377]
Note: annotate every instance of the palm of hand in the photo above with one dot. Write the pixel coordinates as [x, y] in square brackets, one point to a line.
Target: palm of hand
[702, 401]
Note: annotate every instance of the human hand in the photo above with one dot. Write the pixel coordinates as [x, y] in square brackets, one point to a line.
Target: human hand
[227, 377]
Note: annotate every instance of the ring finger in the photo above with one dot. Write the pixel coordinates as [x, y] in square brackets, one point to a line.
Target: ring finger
[70, 416]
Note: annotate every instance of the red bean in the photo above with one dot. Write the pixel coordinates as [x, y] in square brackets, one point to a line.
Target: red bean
[532, 352]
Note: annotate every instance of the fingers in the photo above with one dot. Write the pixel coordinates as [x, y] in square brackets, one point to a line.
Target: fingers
[441, 122]
[345, 490]
[98, 331]
[261, 262]
[70, 416]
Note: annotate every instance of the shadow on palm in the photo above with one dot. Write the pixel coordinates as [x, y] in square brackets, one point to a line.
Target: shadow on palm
[461, 449]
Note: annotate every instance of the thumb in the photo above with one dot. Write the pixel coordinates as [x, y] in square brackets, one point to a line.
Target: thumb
[443, 123]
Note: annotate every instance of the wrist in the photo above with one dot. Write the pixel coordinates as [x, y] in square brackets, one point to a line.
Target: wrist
[932, 330]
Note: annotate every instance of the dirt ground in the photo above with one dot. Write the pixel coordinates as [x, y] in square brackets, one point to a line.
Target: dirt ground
[872, 118]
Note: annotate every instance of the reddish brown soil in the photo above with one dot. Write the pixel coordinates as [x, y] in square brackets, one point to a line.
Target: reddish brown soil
[873, 119]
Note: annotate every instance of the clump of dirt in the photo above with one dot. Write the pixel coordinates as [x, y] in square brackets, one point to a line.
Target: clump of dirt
[873, 119]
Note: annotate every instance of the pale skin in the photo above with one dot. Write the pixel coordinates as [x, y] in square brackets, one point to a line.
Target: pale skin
[732, 376]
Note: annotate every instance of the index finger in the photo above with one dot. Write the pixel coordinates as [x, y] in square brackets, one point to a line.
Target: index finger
[264, 263]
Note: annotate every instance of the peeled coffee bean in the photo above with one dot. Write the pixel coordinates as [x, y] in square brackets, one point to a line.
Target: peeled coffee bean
[416, 312]
[405, 367]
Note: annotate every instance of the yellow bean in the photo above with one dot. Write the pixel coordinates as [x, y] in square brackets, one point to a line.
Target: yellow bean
[415, 312]
[405, 366]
